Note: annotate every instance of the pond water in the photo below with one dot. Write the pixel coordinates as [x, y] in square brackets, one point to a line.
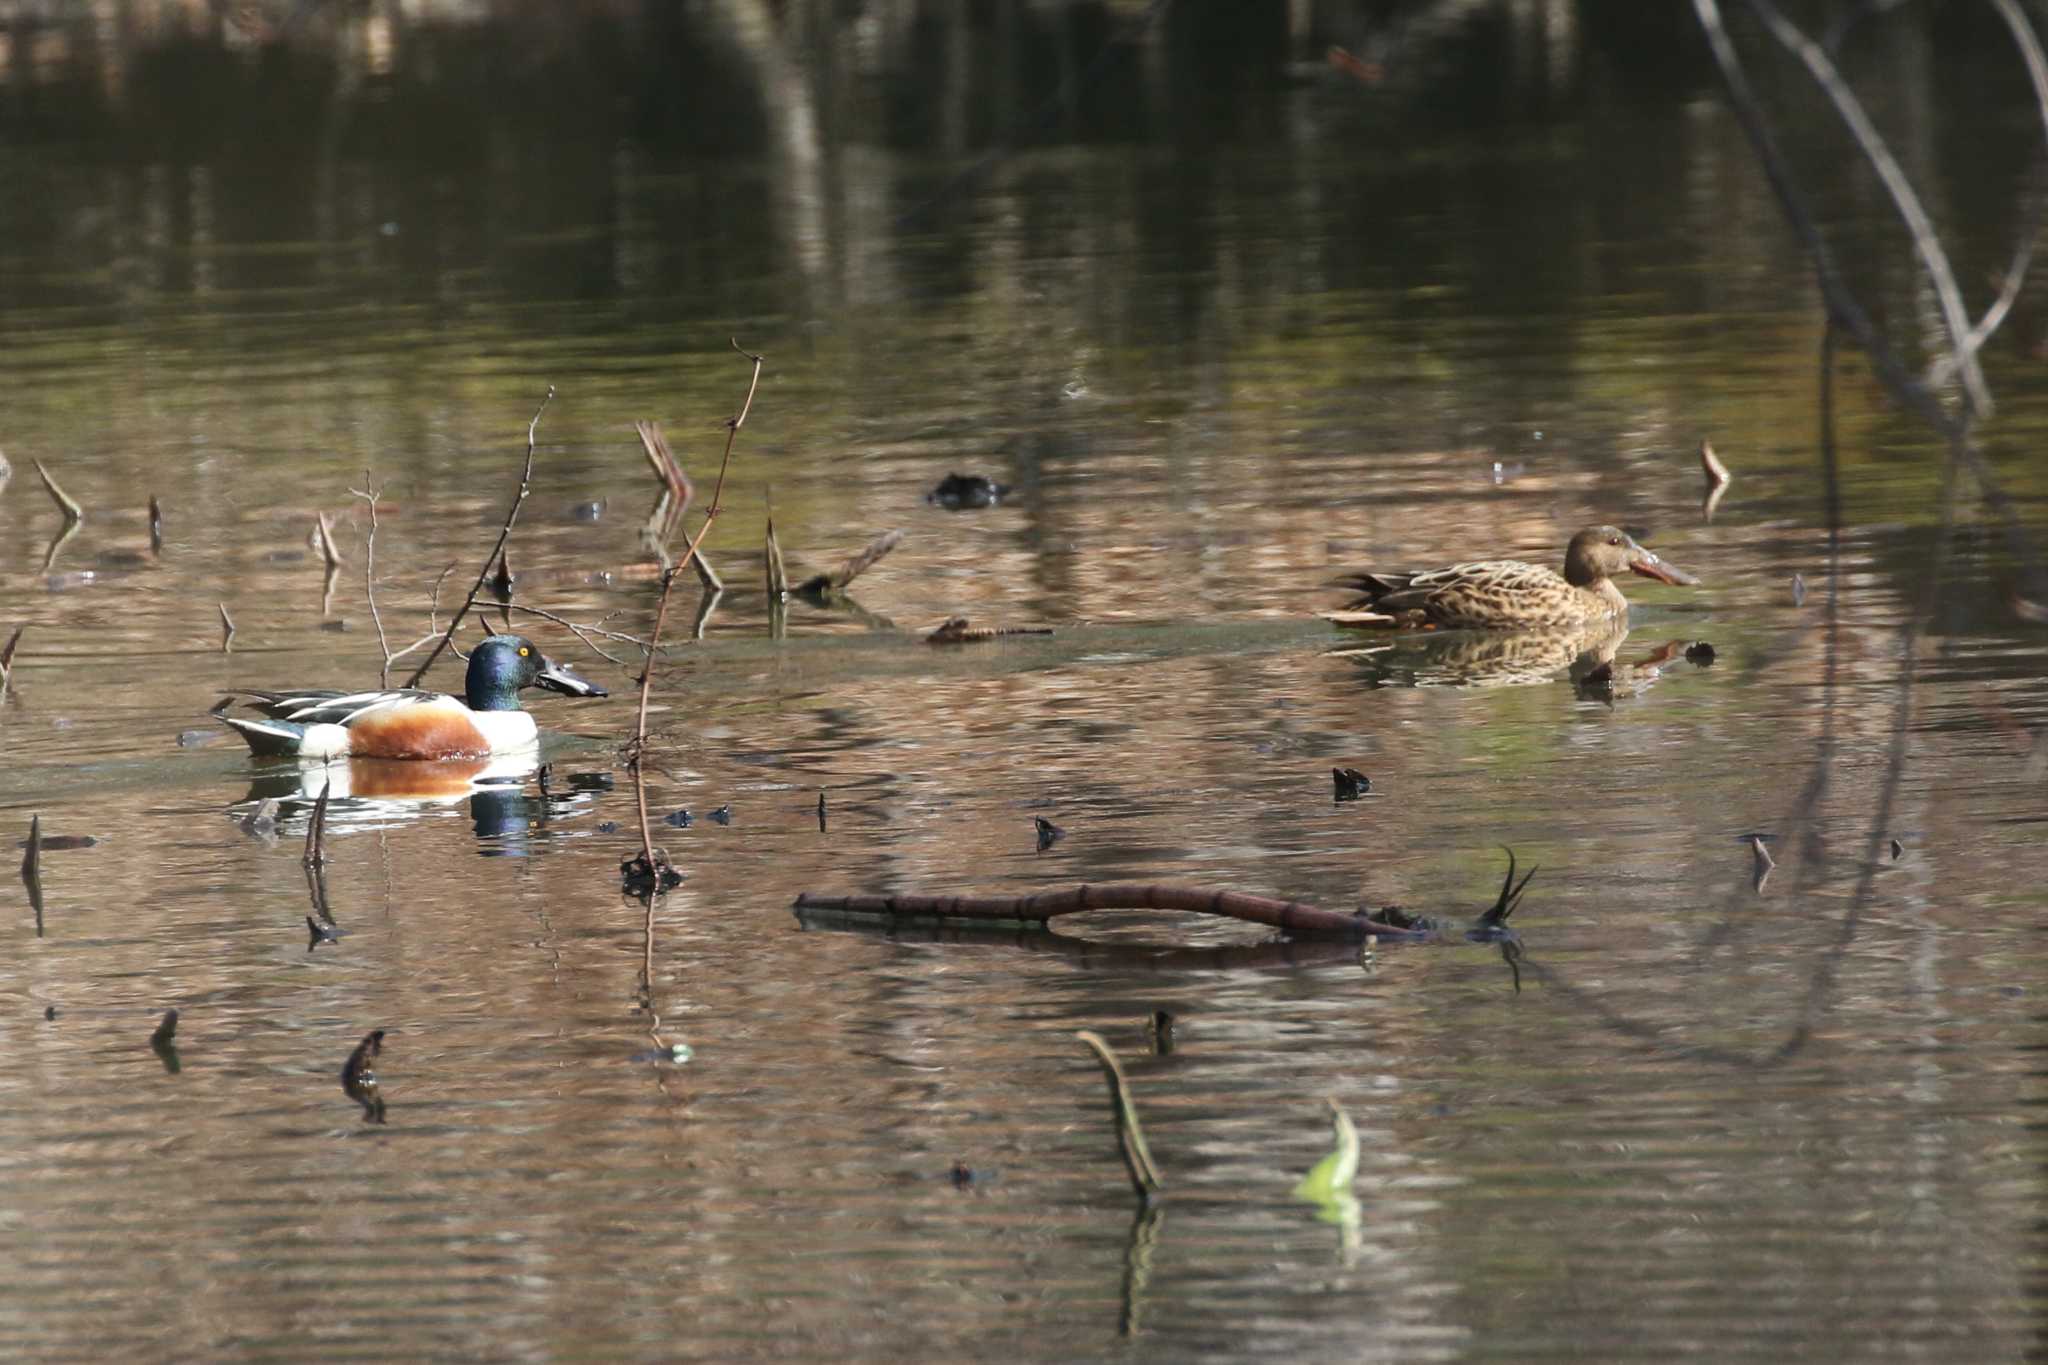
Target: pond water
[1229, 321]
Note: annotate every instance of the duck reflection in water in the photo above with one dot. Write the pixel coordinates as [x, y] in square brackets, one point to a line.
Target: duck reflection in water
[371, 792]
[1505, 659]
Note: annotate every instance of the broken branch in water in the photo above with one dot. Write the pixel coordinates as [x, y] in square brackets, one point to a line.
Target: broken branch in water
[497, 551]
[316, 830]
[957, 631]
[826, 585]
[1130, 1138]
[323, 535]
[32, 869]
[1389, 922]
[1293, 917]
[651, 868]
[7, 658]
[65, 502]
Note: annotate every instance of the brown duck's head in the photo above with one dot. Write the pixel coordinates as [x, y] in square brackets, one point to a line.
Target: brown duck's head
[1605, 551]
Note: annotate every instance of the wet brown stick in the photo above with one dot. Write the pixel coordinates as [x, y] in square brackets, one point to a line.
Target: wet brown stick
[1294, 917]
[497, 550]
[668, 579]
[7, 658]
[830, 584]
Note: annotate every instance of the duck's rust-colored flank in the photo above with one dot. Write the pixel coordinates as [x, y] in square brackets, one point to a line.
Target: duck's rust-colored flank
[427, 731]
[1508, 594]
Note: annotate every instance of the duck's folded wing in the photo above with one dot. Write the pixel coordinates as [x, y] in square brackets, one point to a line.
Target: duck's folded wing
[329, 706]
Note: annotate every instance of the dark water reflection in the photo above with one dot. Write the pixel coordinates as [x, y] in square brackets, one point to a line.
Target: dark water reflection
[1228, 324]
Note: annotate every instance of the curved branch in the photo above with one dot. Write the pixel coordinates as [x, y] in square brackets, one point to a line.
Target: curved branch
[1822, 68]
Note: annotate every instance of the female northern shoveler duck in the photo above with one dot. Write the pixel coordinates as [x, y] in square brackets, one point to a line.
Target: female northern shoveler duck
[407, 723]
[1507, 594]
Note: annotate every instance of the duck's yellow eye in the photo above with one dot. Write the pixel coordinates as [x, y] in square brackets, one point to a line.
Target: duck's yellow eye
[524, 651]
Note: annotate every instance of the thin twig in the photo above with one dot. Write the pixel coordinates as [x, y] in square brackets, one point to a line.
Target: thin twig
[324, 534]
[227, 628]
[369, 493]
[491, 559]
[638, 746]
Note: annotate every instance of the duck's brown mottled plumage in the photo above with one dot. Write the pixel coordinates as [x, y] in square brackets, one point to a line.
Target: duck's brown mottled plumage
[1508, 594]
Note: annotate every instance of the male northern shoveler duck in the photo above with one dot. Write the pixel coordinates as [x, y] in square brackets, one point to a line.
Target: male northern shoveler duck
[408, 723]
[1507, 594]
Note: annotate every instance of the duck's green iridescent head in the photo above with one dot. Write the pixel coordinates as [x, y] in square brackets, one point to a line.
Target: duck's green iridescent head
[503, 664]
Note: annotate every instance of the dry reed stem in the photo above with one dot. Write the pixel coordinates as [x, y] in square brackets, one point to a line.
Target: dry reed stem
[65, 502]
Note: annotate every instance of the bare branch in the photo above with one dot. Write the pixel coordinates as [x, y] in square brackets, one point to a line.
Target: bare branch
[491, 559]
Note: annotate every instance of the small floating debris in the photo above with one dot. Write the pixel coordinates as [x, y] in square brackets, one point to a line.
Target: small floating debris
[1898, 850]
[1048, 833]
[681, 819]
[821, 810]
[964, 492]
[1764, 864]
[962, 1175]
[1159, 1032]
[1798, 591]
[58, 842]
[1330, 1179]
[49, 1012]
[638, 878]
[1710, 463]
[227, 627]
[261, 822]
[607, 827]
[956, 630]
[721, 816]
[156, 525]
[1701, 653]
[75, 578]
[163, 1042]
[337, 627]
[588, 511]
[359, 1080]
[1351, 783]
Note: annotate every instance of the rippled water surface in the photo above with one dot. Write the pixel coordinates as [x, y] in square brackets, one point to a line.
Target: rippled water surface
[1228, 323]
